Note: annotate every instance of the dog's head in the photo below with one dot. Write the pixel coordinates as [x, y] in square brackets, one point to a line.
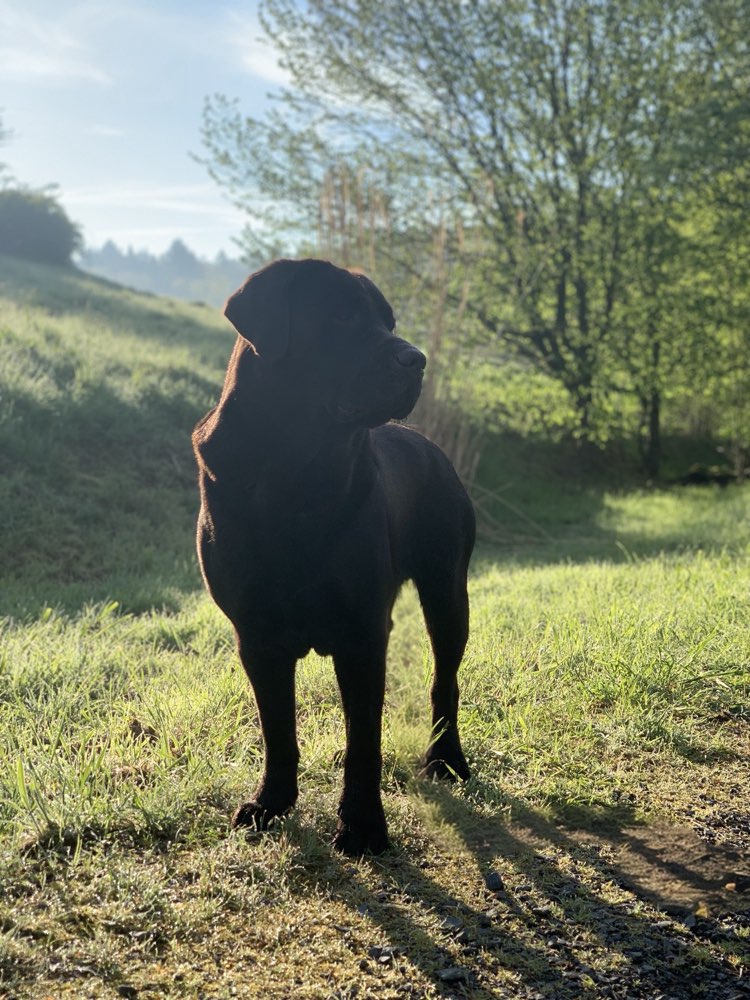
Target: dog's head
[330, 330]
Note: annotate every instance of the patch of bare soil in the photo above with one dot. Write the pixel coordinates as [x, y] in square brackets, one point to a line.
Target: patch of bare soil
[607, 905]
[675, 869]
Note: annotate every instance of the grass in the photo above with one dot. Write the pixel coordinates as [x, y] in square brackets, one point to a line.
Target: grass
[606, 690]
[100, 388]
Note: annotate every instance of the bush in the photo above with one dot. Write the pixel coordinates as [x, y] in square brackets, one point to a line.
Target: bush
[34, 226]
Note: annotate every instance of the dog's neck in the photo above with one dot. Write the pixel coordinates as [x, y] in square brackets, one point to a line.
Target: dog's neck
[264, 441]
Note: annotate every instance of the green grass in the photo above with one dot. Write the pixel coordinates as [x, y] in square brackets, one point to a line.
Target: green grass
[606, 686]
[99, 390]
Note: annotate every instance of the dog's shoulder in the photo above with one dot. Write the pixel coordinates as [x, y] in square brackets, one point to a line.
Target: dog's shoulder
[403, 442]
[409, 460]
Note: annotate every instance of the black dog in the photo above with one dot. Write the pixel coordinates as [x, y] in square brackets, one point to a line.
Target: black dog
[313, 515]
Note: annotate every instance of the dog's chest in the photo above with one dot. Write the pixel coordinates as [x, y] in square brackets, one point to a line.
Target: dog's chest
[303, 612]
[303, 582]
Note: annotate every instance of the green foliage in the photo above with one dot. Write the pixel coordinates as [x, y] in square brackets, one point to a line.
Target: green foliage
[34, 226]
[535, 166]
[99, 390]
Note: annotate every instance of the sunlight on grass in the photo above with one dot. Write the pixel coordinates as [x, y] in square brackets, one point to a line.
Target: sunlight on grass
[607, 677]
[129, 722]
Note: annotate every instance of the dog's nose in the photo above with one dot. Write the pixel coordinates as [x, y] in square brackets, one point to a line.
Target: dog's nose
[410, 357]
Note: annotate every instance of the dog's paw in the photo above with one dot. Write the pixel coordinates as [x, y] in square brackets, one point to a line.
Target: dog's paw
[253, 816]
[355, 840]
[445, 769]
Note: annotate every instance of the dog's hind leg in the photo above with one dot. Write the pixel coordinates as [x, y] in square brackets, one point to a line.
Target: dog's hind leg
[361, 677]
[446, 609]
[272, 679]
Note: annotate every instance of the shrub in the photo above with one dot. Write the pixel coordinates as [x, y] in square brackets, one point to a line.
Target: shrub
[34, 226]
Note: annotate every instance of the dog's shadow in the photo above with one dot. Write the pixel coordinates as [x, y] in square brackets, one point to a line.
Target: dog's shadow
[516, 933]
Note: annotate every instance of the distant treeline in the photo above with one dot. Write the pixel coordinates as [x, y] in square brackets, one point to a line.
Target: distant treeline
[177, 272]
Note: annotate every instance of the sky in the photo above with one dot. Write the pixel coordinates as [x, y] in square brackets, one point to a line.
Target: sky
[105, 100]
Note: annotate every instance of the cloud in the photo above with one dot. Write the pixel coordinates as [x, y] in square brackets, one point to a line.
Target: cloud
[156, 238]
[43, 49]
[152, 215]
[256, 54]
[106, 131]
[187, 199]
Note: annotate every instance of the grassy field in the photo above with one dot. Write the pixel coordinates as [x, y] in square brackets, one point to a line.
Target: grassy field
[601, 848]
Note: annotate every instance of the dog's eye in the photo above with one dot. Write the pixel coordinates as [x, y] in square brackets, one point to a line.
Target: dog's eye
[345, 317]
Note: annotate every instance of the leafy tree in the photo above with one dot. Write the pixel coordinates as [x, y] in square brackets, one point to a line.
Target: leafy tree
[526, 115]
[557, 137]
[34, 226]
[720, 225]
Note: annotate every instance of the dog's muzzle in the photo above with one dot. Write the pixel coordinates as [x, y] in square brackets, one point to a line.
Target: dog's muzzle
[386, 387]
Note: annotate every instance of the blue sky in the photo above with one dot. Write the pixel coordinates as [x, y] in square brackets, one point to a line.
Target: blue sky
[105, 100]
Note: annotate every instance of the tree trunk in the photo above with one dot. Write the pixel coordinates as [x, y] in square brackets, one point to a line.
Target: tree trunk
[652, 450]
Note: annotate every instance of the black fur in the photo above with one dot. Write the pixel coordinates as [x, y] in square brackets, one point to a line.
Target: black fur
[314, 512]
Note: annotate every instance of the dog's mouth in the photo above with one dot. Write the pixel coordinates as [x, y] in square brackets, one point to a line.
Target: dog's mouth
[397, 407]
[347, 414]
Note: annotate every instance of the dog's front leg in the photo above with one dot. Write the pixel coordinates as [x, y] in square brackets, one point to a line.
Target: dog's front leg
[272, 679]
[361, 677]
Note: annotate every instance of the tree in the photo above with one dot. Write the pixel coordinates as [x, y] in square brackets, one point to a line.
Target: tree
[528, 116]
[564, 141]
[34, 226]
[180, 261]
[719, 224]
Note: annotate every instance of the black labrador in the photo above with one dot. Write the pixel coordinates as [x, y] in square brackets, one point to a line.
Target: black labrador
[314, 512]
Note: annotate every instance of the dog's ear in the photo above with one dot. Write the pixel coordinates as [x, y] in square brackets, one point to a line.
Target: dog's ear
[259, 310]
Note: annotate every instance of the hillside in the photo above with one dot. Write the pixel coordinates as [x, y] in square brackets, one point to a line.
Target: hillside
[99, 390]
